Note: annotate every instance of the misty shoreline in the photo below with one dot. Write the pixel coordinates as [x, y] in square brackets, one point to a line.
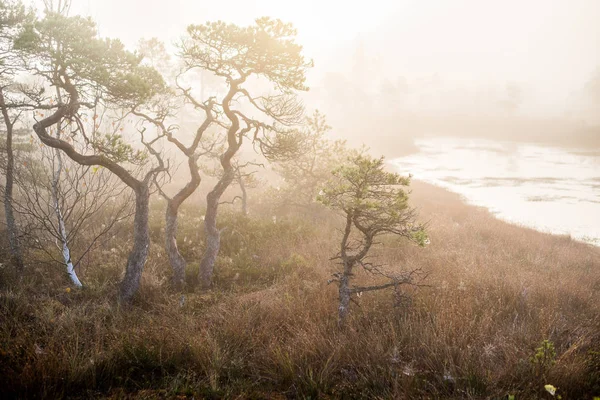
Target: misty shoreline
[516, 224]
[394, 135]
[549, 188]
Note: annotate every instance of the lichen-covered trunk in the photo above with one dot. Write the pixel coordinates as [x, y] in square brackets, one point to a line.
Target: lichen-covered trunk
[344, 305]
[62, 231]
[141, 245]
[175, 258]
[212, 240]
[212, 233]
[344, 293]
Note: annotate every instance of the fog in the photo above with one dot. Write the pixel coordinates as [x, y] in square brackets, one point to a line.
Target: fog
[409, 68]
[548, 49]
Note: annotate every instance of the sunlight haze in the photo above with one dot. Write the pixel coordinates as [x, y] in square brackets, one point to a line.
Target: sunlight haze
[549, 48]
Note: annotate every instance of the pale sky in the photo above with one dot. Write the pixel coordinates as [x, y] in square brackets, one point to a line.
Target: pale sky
[550, 47]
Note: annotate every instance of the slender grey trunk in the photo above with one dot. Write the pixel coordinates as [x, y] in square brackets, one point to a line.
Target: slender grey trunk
[244, 196]
[349, 261]
[141, 244]
[344, 282]
[344, 292]
[11, 225]
[213, 235]
[213, 240]
[62, 231]
[177, 261]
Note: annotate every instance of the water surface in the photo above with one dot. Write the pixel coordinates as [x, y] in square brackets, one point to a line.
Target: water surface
[547, 188]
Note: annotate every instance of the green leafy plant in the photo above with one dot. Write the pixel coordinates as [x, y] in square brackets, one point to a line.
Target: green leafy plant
[544, 358]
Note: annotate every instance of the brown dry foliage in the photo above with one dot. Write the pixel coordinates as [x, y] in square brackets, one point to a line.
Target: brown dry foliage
[268, 329]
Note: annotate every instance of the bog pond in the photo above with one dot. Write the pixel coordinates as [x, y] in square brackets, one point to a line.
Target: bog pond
[550, 189]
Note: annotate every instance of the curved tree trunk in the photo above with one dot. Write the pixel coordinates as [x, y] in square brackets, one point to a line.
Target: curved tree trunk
[213, 235]
[11, 225]
[177, 261]
[141, 245]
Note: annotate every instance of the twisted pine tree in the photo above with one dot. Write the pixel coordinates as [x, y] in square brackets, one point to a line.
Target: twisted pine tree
[374, 203]
[265, 51]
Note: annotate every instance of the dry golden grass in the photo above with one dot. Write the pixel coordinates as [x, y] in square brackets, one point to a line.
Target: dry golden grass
[268, 329]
